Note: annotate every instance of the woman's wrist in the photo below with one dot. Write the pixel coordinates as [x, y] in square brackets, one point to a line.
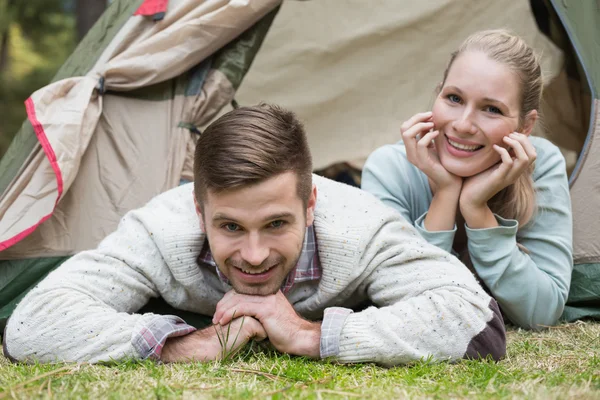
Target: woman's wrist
[478, 217]
[442, 210]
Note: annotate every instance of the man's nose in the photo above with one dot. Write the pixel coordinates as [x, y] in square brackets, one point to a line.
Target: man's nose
[254, 252]
[464, 124]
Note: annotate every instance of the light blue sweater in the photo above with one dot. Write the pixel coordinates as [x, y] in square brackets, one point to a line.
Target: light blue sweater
[531, 288]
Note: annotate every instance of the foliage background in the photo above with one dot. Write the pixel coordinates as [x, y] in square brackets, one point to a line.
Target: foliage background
[36, 37]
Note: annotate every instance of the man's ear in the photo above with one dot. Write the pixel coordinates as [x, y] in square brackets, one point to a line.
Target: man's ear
[199, 213]
[530, 120]
[310, 206]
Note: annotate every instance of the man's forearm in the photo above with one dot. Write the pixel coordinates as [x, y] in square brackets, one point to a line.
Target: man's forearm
[308, 340]
[196, 346]
[213, 342]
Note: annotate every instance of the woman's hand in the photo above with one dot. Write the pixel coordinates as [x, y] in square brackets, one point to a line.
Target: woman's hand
[418, 140]
[479, 189]
[446, 187]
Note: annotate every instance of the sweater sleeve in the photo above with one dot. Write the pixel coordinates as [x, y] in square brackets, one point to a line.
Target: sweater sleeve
[426, 303]
[389, 176]
[85, 310]
[531, 285]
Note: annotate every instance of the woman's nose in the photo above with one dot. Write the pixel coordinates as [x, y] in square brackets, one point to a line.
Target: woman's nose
[464, 124]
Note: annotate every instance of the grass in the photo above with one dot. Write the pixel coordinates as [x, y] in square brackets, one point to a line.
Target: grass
[559, 363]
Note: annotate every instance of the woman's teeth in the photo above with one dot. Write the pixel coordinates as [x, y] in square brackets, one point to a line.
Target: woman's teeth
[465, 147]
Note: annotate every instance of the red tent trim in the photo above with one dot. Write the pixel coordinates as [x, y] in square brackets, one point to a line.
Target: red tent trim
[152, 7]
[43, 139]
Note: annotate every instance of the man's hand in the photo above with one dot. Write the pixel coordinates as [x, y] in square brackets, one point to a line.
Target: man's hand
[205, 345]
[287, 331]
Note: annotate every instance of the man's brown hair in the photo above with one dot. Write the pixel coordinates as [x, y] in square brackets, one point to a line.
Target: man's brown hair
[249, 145]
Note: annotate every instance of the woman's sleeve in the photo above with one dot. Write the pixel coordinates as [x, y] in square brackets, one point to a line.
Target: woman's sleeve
[396, 182]
[531, 284]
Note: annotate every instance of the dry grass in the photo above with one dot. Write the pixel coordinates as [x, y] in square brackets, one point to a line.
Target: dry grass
[560, 363]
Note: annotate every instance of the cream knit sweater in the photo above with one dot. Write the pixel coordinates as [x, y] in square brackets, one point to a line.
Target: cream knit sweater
[425, 302]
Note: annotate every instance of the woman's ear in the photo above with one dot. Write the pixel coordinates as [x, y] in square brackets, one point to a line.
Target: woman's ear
[530, 120]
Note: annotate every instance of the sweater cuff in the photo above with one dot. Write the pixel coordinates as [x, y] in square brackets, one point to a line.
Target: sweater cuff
[441, 239]
[331, 329]
[150, 338]
[488, 245]
[506, 227]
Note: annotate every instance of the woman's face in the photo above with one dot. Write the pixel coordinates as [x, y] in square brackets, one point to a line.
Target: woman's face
[477, 106]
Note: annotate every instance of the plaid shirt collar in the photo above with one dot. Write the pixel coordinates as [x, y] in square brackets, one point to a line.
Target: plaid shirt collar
[308, 267]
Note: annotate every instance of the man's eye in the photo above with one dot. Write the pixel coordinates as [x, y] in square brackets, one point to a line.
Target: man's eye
[231, 227]
[494, 110]
[453, 98]
[277, 224]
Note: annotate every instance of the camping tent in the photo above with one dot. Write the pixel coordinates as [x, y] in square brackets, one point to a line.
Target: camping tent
[119, 124]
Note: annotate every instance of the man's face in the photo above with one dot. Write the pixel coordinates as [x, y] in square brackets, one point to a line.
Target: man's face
[256, 233]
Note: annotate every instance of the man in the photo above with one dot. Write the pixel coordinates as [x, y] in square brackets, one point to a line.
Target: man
[269, 251]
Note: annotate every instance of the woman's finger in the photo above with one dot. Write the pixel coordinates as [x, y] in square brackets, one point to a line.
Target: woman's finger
[520, 154]
[527, 145]
[410, 139]
[521, 162]
[416, 129]
[424, 146]
[506, 161]
[419, 117]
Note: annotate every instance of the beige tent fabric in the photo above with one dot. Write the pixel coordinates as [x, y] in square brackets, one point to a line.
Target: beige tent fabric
[143, 53]
[353, 70]
[565, 116]
[585, 193]
[217, 93]
[135, 139]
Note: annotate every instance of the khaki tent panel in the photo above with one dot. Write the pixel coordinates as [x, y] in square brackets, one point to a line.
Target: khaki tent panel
[355, 77]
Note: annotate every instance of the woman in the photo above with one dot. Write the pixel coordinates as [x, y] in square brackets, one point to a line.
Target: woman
[465, 177]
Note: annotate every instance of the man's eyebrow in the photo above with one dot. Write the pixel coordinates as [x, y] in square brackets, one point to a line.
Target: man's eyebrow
[224, 217]
[283, 215]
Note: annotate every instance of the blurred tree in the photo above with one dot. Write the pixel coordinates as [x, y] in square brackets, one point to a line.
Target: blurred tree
[36, 37]
[88, 12]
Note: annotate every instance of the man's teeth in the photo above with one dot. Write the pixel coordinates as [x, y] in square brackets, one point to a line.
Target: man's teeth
[253, 272]
[467, 147]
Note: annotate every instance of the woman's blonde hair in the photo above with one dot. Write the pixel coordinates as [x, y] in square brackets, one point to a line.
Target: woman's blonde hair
[516, 201]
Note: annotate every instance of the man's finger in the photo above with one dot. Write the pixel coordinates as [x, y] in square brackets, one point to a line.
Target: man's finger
[239, 310]
[229, 300]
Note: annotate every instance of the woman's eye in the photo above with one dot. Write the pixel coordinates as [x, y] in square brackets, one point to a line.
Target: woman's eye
[494, 110]
[231, 227]
[277, 224]
[453, 98]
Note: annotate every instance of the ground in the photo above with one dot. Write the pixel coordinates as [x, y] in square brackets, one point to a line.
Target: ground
[559, 363]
